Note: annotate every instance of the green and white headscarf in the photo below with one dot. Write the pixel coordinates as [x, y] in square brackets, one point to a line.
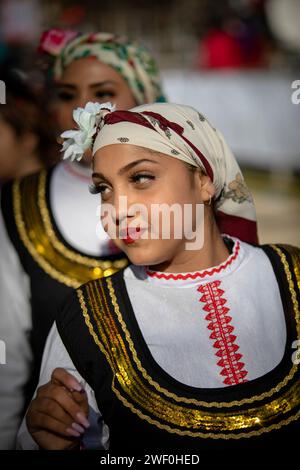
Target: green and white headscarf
[130, 59]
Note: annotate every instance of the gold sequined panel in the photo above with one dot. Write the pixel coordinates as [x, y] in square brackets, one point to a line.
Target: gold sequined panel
[294, 252]
[137, 390]
[37, 233]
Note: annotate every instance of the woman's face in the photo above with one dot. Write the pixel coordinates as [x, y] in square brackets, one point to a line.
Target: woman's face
[85, 80]
[148, 179]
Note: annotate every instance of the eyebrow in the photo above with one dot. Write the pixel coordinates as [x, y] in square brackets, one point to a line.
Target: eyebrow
[105, 83]
[93, 85]
[125, 168]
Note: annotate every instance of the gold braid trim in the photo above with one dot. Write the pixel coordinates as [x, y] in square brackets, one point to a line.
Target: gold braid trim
[111, 344]
[37, 234]
[295, 255]
[267, 394]
[205, 435]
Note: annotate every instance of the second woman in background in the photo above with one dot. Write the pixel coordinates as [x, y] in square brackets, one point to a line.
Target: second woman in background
[51, 238]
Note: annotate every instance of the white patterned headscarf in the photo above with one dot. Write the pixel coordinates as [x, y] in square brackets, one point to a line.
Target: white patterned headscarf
[183, 133]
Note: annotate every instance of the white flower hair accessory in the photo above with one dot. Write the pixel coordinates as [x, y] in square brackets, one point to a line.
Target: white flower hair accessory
[89, 121]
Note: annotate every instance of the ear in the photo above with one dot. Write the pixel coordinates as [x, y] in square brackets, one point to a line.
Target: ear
[206, 187]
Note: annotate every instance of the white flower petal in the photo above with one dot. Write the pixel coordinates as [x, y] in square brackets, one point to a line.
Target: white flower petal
[68, 152]
[69, 134]
[77, 113]
[92, 108]
[87, 119]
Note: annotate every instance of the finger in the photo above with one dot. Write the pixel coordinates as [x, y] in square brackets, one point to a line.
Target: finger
[51, 441]
[65, 400]
[53, 409]
[45, 422]
[81, 399]
[61, 377]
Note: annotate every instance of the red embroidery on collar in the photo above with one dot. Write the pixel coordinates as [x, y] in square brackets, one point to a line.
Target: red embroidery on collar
[224, 341]
[201, 274]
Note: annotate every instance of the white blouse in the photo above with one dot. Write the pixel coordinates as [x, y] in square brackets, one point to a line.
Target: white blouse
[76, 211]
[227, 330]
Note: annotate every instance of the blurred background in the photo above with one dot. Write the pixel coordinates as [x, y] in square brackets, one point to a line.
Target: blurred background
[237, 61]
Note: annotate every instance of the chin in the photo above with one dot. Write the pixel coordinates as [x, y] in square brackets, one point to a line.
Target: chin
[136, 258]
[142, 256]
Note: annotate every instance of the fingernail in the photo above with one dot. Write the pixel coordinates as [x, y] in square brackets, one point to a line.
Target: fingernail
[78, 388]
[78, 428]
[82, 419]
[72, 432]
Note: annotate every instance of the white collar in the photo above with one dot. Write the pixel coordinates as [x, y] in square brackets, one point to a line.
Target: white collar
[188, 279]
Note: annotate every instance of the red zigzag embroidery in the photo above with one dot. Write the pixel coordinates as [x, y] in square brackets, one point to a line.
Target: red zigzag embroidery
[224, 341]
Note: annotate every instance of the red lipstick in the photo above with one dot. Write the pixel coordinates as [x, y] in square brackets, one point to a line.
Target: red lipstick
[131, 234]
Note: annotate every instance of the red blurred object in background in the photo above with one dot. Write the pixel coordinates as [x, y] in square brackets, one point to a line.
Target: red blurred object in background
[220, 49]
[73, 15]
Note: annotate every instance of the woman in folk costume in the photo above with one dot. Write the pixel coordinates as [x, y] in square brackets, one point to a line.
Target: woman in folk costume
[189, 347]
[51, 240]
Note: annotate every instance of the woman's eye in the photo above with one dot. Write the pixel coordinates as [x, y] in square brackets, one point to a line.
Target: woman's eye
[99, 189]
[142, 178]
[103, 189]
[65, 96]
[103, 95]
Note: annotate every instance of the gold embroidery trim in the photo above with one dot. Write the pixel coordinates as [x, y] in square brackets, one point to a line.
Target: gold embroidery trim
[295, 255]
[205, 435]
[160, 389]
[37, 233]
[112, 346]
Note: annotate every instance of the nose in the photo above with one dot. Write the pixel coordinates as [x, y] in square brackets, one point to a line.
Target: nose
[118, 209]
[120, 213]
[81, 99]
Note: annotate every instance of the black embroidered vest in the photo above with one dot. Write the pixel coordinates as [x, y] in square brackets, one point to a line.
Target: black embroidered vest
[146, 409]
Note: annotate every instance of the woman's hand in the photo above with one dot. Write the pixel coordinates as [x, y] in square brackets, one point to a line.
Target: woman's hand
[57, 417]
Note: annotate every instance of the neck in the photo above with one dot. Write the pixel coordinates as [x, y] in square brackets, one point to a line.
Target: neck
[213, 252]
[30, 164]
